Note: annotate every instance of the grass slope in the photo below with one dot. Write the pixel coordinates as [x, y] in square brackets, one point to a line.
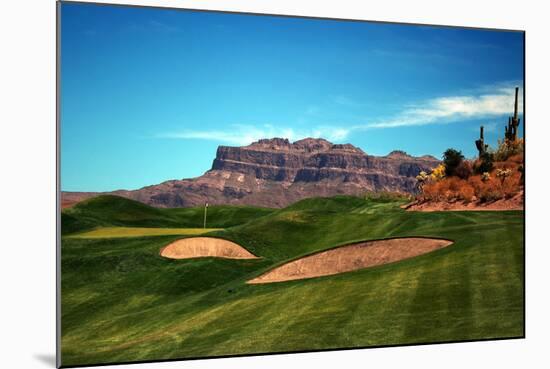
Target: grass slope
[118, 232]
[121, 301]
[115, 211]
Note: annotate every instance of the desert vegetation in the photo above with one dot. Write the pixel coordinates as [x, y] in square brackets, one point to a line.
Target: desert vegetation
[496, 174]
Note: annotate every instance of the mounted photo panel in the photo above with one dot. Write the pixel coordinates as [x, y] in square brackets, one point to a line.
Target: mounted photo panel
[247, 184]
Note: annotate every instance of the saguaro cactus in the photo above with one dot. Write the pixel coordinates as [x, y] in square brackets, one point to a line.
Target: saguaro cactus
[511, 130]
[480, 144]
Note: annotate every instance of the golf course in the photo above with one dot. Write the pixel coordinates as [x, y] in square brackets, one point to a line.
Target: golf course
[133, 288]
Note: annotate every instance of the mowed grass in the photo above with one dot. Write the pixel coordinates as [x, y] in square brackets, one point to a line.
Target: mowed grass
[116, 232]
[121, 301]
[114, 211]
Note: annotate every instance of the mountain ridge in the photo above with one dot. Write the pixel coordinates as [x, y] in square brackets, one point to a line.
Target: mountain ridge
[276, 172]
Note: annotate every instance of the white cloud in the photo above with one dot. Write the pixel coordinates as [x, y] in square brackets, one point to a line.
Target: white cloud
[487, 102]
[452, 108]
[240, 134]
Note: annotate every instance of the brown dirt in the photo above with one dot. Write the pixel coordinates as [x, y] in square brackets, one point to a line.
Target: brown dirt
[514, 203]
[195, 247]
[352, 257]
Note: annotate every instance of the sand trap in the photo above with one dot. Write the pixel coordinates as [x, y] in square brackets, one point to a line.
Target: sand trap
[352, 257]
[196, 247]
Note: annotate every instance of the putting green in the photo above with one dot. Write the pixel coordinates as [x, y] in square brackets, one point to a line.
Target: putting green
[117, 232]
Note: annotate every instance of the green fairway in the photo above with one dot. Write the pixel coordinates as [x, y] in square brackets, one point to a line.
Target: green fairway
[114, 232]
[121, 301]
[114, 211]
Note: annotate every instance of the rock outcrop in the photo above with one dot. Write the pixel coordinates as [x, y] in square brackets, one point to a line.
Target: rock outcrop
[275, 173]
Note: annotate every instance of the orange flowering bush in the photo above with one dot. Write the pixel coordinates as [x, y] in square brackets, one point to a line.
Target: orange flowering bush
[497, 174]
[503, 182]
[449, 189]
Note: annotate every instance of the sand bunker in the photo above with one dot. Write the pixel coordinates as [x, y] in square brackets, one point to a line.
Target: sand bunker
[352, 257]
[196, 247]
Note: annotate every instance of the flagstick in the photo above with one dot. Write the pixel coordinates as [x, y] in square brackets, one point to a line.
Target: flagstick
[205, 207]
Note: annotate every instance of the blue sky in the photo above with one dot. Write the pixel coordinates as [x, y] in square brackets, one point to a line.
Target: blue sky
[147, 94]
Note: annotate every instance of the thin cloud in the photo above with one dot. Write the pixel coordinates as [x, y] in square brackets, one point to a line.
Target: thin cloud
[239, 134]
[486, 102]
[443, 110]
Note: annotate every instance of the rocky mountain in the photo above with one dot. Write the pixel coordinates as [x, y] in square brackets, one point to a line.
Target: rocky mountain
[275, 173]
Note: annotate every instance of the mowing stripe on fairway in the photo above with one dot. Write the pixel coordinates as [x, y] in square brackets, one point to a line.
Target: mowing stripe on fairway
[116, 232]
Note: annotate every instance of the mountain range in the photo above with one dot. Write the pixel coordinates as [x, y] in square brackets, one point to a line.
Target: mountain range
[276, 172]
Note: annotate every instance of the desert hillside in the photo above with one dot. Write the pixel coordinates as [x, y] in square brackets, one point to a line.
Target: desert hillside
[275, 173]
[492, 181]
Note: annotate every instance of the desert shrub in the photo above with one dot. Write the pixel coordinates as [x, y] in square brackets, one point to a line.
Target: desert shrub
[490, 194]
[454, 184]
[422, 176]
[482, 180]
[484, 163]
[451, 160]
[504, 165]
[421, 179]
[449, 189]
[492, 187]
[507, 148]
[486, 190]
[464, 170]
[443, 190]
[431, 191]
[510, 186]
[438, 173]
[502, 174]
[516, 159]
[477, 183]
[466, 192]
[459, 189]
